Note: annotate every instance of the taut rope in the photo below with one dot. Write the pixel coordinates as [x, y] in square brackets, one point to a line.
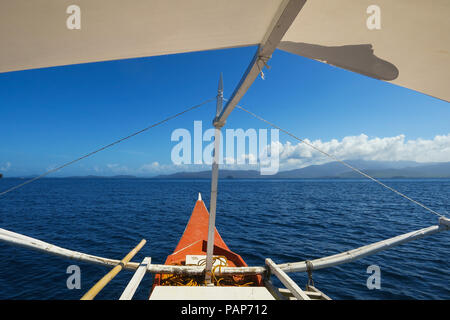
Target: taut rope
[105, 147]
[340, 161]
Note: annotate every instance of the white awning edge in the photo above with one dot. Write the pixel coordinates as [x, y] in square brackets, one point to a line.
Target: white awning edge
[411, 48]
[34, 34]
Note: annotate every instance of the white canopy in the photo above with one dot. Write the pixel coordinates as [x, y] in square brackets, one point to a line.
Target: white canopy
[411, 49]
[33, 34]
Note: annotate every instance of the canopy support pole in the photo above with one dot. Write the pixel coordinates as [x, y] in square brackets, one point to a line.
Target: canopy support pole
[214, 183]
[285, 16]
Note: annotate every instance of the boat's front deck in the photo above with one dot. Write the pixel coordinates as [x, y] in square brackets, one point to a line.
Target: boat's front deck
[210, 293]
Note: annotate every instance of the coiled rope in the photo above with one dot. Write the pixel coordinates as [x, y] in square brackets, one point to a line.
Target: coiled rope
[340, 161]
[107, 146]
[195, 281]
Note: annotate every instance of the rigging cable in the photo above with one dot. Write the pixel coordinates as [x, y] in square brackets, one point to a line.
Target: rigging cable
[340, 161]
[107, 146]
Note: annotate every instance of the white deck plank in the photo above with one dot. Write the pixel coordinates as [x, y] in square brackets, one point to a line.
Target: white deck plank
[129, 291]
[210, 293]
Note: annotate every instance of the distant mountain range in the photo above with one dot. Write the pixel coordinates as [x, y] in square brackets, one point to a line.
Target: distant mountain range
[334, 170]
[330, 170]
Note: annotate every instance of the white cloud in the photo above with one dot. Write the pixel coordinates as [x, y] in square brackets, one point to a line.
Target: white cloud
[362, 147]
[151, 167]
[5, 167]
[97, 169]
[117, 169]
[299, 155]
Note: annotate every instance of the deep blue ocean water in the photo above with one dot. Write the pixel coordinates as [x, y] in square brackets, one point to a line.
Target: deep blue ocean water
[286, 220]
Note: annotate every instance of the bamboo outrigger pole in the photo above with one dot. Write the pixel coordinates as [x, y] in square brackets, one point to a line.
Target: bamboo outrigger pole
[21, 240]
[361, 252]
[111, 274]
[321, 263]
[18, 239]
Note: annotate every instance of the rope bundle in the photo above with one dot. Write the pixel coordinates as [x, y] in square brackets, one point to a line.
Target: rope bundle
[194, 281]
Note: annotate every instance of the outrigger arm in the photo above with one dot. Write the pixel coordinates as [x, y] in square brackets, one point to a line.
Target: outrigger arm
[321, 263]
[370, 249]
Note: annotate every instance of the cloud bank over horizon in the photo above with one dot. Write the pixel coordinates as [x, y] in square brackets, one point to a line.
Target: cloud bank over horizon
[296, 155]
[362, 147]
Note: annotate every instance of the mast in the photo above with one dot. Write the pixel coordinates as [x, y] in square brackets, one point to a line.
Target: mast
[214, 182]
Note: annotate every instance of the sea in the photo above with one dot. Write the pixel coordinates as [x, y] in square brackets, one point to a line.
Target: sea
[285, 220]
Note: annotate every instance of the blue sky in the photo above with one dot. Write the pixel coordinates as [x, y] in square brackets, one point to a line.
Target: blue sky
[51, 116]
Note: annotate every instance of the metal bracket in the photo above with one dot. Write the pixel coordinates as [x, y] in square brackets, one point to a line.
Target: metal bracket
[309, 269]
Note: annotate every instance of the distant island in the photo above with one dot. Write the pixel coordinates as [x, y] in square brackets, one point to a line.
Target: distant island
[1, 176]
[335, 170]
[80, 177]
[104, 177]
